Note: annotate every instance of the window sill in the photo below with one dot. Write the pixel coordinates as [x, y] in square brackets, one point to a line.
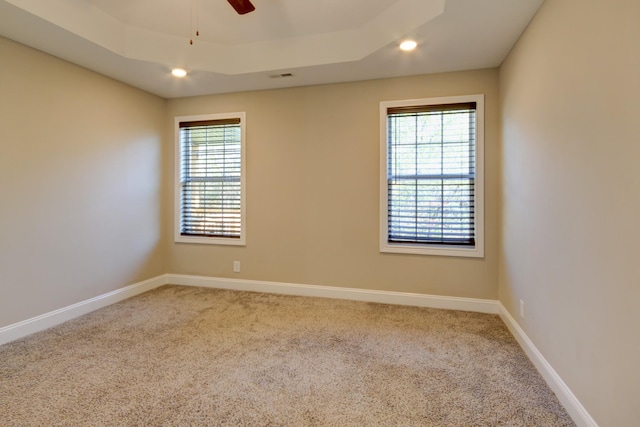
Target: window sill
[210, 240]
[435, 250]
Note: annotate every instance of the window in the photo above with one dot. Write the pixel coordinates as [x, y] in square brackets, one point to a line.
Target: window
[432, 176]
[210, 179]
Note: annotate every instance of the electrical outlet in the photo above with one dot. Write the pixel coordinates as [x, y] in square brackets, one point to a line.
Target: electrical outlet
[236, 266]
[522, 309]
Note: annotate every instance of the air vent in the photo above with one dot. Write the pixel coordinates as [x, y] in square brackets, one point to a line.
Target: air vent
[278, 76]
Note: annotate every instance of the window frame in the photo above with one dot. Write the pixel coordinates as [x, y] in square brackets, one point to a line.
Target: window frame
[210, 240]
[476, 251]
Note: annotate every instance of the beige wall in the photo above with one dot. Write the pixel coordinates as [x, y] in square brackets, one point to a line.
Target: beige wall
[571, 198]
[79, 182]
[313, 189]
[81, 177]
[86, 180]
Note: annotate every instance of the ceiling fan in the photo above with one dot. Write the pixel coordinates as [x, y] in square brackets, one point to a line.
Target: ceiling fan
[242, 6]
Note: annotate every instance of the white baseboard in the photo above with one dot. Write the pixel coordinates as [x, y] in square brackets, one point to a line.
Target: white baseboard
[367, 295]
[571, 403]
[39, 323]
[53, 318]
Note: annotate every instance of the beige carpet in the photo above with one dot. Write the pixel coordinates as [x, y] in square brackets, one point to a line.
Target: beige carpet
[182, 356]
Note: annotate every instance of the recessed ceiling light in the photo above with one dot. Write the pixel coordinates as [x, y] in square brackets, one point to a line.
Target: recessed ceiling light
[179, 72]
[408, 45]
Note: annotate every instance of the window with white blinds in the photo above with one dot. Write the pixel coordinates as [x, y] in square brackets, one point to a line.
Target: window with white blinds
[432, 184]
[210, 197]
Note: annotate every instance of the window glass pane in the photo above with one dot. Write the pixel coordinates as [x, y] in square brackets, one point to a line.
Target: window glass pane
[455, 126]
[429, 161]
[431, 176]
[211, 171]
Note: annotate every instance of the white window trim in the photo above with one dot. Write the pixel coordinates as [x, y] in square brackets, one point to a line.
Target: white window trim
[179, 238]
[421, 249]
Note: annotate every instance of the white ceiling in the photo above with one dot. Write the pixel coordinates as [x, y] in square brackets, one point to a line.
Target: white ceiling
[322, 41]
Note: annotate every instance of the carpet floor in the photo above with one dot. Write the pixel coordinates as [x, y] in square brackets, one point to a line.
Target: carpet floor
[187, 356]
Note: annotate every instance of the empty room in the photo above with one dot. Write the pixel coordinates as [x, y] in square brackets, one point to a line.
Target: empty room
[319, 213]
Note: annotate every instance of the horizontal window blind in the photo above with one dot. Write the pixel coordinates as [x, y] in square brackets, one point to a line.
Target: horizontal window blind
[210, 178]
[431, 174]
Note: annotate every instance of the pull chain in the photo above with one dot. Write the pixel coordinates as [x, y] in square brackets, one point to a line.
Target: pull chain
[197, 13]
[197, 18]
